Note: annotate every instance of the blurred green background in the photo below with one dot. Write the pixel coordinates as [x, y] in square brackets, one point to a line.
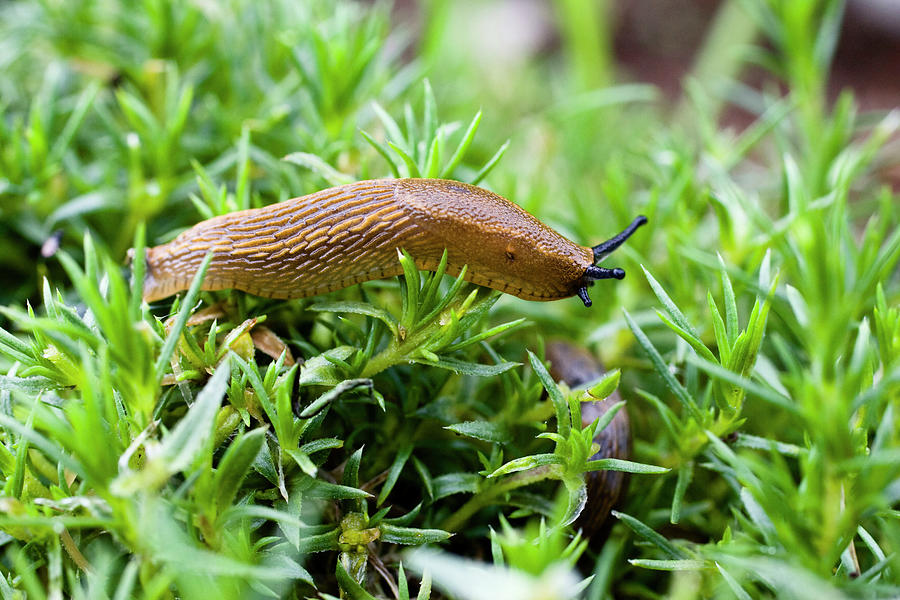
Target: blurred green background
[759, 347]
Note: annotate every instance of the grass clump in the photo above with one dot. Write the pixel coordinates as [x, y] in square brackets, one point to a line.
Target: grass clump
[420, 446]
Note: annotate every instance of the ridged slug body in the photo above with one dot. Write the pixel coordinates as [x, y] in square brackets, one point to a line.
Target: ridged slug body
[349, 234]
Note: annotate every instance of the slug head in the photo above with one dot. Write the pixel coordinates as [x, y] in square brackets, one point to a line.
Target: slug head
[601, 251]
[504, 247]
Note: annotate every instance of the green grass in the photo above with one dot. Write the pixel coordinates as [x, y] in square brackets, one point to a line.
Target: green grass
[421, 448]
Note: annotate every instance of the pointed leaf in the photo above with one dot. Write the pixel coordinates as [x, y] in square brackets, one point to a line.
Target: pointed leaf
[483, 430]
[183, 444]
[235, 465]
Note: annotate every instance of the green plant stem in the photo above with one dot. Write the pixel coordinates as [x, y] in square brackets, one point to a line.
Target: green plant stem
[721, 427]
[585, 29]
[484, 498]
[719, 60]
[385, 359]
[402, 350]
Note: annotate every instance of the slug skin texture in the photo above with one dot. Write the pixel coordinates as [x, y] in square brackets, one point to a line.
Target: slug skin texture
[349, 234]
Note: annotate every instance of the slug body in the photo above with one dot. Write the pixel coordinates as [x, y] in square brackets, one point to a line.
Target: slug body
[349, 234]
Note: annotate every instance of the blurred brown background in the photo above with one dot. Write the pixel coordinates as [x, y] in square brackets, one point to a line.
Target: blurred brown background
[656, 40]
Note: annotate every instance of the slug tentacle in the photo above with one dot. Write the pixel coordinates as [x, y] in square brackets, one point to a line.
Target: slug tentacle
[593, 272]
[350, 234]
[583, 294]
[603, 250]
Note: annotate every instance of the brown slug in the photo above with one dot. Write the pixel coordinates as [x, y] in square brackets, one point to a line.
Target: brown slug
[606, 489]
[349, 234]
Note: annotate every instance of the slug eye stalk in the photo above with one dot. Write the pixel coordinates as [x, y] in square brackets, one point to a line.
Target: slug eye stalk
[595, 273]
[606, 248]
[603, 250]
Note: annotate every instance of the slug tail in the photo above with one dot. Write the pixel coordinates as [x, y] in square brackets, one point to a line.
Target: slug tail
[155, 287]
[150, 283]
[152, 289]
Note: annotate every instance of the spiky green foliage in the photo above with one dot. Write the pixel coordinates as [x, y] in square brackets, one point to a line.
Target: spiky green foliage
[184, 450]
